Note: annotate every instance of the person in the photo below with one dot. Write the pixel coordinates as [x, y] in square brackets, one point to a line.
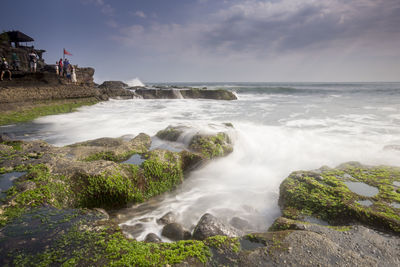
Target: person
[68, 72]
[60, 67]
[73, 75]
[33, 61]
[56, 66]
[15, 61]
[65, 67]
[5, 68]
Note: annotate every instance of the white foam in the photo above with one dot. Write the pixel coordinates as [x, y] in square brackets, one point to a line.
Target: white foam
[135, 83]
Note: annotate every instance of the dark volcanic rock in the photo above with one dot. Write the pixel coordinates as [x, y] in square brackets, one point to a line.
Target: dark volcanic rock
[152, 238]
[211, 226]
[175, 231]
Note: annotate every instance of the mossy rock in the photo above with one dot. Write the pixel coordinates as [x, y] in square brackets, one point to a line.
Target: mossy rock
[171, 133]
[211, 146]
[324, 195]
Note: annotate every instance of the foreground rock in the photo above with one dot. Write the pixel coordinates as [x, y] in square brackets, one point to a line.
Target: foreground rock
[351, 193]
[209, 226]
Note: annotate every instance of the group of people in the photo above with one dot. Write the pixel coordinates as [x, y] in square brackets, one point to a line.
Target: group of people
[66, 69]
[63, 68]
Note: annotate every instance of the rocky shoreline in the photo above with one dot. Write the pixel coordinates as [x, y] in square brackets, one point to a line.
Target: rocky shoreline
[30, 95]
[57, 211]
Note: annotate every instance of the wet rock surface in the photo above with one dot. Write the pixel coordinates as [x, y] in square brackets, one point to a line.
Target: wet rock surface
[190, 93]
[169, 217]
[209, 225]
[175, 231]
[152, 238]
[326, 195]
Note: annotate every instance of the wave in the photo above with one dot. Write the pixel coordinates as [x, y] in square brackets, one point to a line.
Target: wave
[135, 83]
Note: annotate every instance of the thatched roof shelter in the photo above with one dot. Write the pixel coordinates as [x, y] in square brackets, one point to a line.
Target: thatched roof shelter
[17, 37]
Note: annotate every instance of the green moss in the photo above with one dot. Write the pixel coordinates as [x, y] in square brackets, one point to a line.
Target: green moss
[223, 243]
[16, 145]
[170, 134]
[110, 156]
[105, 248]
[325, 196]
[161, 175]
[50, 189]
[211, 146]
[109, 189]
[43, 110]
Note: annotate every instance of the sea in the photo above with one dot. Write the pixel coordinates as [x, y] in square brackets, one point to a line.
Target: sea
[278, 128]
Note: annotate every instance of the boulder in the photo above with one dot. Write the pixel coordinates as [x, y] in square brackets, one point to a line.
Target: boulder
[209, 225]
[211, 146]
[116, 89]
[169, 217]
[171, 133]
[175, 231]
[152, 238]
[113, 85]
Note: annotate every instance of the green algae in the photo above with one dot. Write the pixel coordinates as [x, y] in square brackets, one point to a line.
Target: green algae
[43, 110]
[110, 156]
[212, 146]
[108, 247]
[324, 195]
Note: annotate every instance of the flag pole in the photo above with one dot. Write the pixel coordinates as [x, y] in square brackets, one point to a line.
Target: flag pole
[63, 54]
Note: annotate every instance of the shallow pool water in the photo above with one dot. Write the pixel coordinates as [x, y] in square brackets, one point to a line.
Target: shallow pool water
[135, 159]
[362, 189]
[7, 180]
[365, 203]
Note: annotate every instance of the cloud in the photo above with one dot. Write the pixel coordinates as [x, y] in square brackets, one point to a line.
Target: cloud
[105, 8]
[140, 14]
[264, 29]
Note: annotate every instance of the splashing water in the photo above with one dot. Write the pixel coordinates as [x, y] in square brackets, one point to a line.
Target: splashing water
[135, 83]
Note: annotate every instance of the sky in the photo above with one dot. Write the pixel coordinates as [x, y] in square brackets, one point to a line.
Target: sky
[217, 40]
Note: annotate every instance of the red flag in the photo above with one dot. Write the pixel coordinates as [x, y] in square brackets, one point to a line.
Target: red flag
[67, 53]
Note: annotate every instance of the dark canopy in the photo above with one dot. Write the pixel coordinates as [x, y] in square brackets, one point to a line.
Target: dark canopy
[17, 36]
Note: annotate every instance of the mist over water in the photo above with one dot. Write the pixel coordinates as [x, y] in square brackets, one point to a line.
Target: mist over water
[278, 128]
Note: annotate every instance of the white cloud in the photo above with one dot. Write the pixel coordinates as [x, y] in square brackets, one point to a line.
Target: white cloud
[140, 14]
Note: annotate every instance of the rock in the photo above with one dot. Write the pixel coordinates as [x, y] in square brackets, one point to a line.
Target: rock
[113, 85]
[209, 225]
[103, 212]
[175, 231]
[192, 93]
[326, 195]
[116, 89]
[167, 218]
[27, 185]
[152, 238]
[211, 146]
[171, 133]
[240, 224]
